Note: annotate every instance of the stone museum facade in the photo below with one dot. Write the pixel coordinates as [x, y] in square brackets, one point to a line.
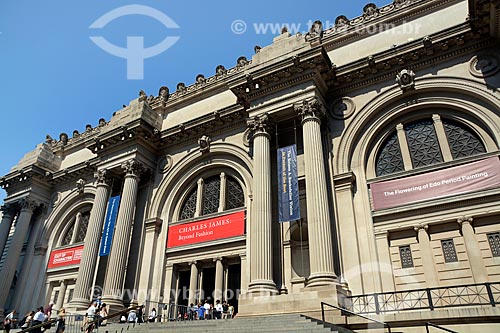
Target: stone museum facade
[395, 118]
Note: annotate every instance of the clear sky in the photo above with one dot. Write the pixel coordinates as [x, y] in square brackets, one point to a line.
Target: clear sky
[54, 78]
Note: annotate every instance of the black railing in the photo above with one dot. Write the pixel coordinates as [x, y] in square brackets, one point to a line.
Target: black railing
[429, 298]
[347, 312]
[438, 327]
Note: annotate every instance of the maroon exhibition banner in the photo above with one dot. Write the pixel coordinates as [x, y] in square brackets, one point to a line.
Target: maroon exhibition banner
[466, 178]
[203, 231]
[65, 257]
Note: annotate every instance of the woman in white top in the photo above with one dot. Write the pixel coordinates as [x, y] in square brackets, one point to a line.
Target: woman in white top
[8, 321]
[152, 316]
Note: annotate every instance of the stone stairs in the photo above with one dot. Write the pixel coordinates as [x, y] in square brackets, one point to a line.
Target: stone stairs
[289, 323]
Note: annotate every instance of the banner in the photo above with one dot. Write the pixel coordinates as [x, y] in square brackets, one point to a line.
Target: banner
[288, 184]
[65, 257]
[475, 176]
[207, 230]
[109, 226]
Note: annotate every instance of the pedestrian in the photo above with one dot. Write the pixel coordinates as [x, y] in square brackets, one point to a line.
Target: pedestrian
[9, 321]
[38, 319]
[61, 321]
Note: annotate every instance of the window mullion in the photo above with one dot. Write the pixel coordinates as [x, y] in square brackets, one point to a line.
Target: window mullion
[222, 193]
[442, 138]
[78, 221]
[199, 198]
[403, 144]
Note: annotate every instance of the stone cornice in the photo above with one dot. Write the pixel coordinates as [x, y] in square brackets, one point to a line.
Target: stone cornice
[348, 30]
[444, 45]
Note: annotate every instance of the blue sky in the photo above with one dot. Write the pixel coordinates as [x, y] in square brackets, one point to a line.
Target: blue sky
[54, 79]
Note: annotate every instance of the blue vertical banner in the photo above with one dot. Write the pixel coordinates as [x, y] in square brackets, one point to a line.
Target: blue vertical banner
[109, 226]
[288, 184]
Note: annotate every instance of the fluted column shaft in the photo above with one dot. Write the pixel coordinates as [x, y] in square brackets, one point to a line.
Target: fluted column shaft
[5, 224]
[193, 282]
[83, 287]
[219, 278]
[430, 273]
[115, 277]
[473, 251]
[318, 215]
[16, 245]
[62, 293]
[261, 273]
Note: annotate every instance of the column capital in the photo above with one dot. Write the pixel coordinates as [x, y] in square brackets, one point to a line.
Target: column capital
[217, 259]
[345, 181]
[465, 220]
[310, 109]
[382, 234]
[40, 250]
[193, 262]
[260, 125]
[102, 177]
[28, 204]
[132, 168]
[8, 209]
[422, 226]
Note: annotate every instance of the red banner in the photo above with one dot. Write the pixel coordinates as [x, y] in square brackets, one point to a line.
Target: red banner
[475, 176]
[207, 230]
[65, 257]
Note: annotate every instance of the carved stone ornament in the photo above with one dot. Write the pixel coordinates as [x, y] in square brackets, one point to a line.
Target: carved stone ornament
[165, 164]
[220, 70]
[341, 21]
[164, 94]
[76, 134]
[132, 168]
[406, 79]
[247, 137]
[80, 185]
[259, 124]
[257, 48]
[102, 177]
[200, 79]
[142, 96]
[370, 10]
[242, 61]
[343, 108]
[310, 109]
[204, 143]
[484, 65]
[63, 137]
[49, 140]
[315, 31]
[102, 122]
[28, 204]
[181, 87]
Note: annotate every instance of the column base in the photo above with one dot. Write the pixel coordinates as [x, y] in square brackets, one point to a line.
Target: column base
[263, 287]
[321, 279]
[78, 305]
[113, 304]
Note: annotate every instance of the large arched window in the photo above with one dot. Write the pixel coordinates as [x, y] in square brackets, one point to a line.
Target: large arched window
[422, 143]
[77, 230]
[211, 195]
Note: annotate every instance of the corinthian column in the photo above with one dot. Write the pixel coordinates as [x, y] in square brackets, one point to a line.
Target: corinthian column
[8, 212]
[115, 276]
[261, 268]
[16, 245]
[83, 288]
[318, 208]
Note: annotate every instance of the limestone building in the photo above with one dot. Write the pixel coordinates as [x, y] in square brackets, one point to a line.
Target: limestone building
[395, 118]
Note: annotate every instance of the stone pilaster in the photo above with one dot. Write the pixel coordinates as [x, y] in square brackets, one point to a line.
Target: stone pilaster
[384, 259]
[62, 294]
[430, 273]
[168, 292]
[261, 274]
[193, 282]
[442, 138]
[8, 213]
[318, 211]
[118, 257]
[84, 281]
[219, 279]
[244, 273]
[473, 250]
[10, 264]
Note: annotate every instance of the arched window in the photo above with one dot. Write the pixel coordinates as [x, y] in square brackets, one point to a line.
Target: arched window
[207, 199]
[423, 145]
[74, 236]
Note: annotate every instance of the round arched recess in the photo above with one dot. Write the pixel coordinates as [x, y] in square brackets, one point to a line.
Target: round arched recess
[465, 100]
[180, 177]
[62, 213]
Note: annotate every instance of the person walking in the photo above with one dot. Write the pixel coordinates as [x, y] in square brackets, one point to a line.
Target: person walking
[61, 321]
[9, 321]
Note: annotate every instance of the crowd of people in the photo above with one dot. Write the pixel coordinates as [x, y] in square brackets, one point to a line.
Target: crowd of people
[39, 319]
[207, 311]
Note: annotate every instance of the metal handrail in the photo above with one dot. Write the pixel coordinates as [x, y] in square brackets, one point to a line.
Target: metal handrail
[352, 313]
[427, 324]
